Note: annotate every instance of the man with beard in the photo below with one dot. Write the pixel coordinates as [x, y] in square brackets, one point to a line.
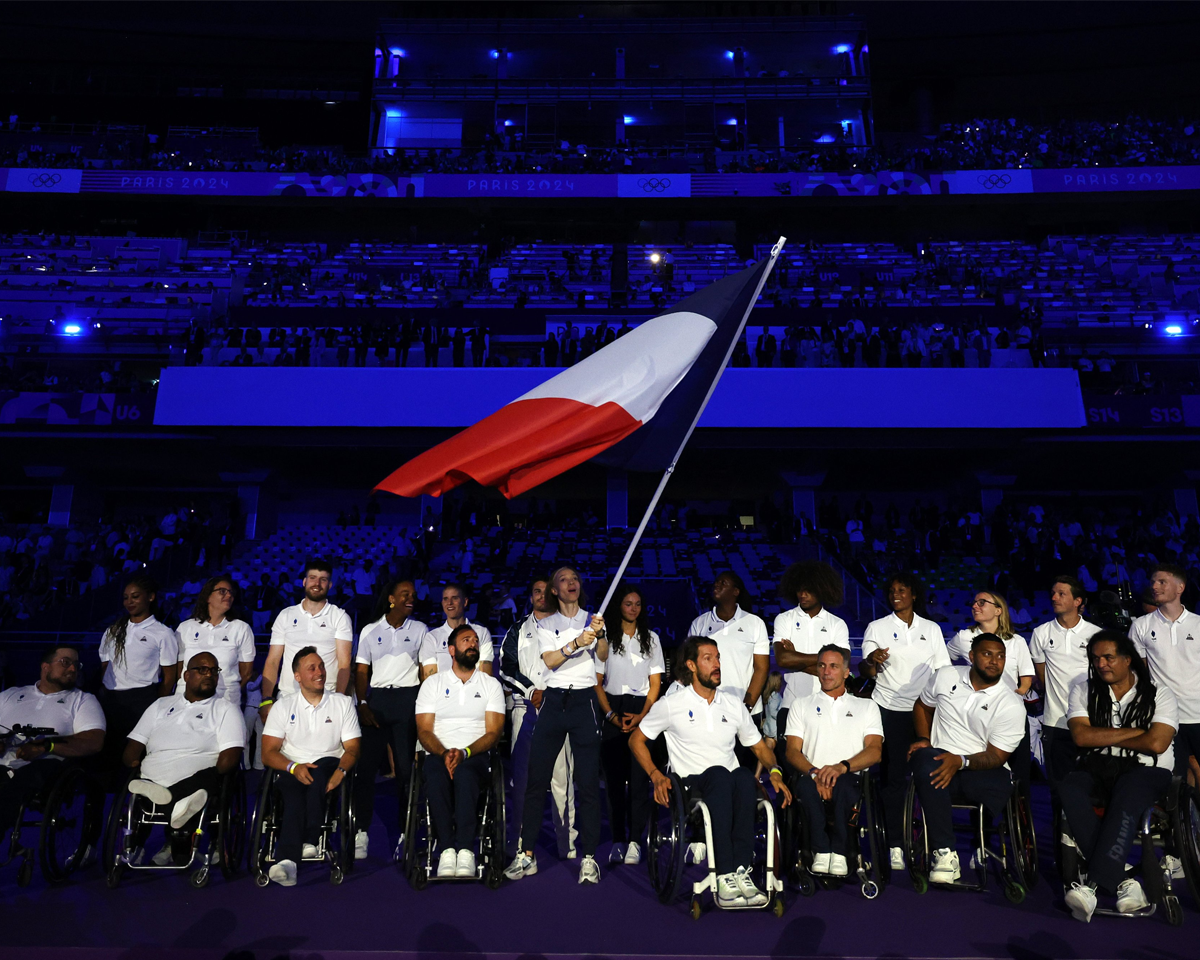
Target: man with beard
[181, 747]
[313, 740]
[701, 724]
[315, 622]
[524, 674]
[386, 679]
[804, 630]
[54, 701]
[967, 723]
[460, 716]
[831, 738]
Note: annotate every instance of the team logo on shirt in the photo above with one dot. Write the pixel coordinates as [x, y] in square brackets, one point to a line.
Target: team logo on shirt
[199, 716]
[329, 719]
[723, 720]
[171, 711]
[224, 639]
[141, 639]
[849, 714]
[818, 709]
[379, 639]
[1152, 635]
[447, 691]
[691, 717]
[20, 698]
[478, 696]
[985, 706]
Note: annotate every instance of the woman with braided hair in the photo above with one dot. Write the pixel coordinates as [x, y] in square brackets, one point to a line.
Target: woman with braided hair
[1123, 723]
[140, 657]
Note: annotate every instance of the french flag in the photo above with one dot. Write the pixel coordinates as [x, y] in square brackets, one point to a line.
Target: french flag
[630, 404]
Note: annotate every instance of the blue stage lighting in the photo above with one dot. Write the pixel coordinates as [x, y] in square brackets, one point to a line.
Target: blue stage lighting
[397, 52]
[1173, 330]
[494, 54]
[728, 54]
[72, 329]
[827, 138]
[628, 119]
[731, 122]
[842, 48]
[508, 123]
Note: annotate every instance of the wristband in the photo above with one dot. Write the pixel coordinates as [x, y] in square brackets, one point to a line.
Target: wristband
[609, 715]
[344, 770]
[775, 770]
[265, 703]
[966, 761]
[467, 751]
[291, 767]
[50, 749]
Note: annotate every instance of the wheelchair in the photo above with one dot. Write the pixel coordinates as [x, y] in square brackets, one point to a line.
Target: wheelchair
[1015, 850]
[687, 821]
[419, 857]
[866, 853]
[218, 841]
[335, 845]
[1169, 824]
[1186, 826]
[68, 816]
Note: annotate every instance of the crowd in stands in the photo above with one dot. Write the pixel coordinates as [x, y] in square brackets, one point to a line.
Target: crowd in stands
[980, 143]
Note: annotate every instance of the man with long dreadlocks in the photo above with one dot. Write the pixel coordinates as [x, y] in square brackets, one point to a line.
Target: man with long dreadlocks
[1124, 724]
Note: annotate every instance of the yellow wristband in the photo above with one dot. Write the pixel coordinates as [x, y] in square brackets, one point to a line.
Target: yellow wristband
[468, 752]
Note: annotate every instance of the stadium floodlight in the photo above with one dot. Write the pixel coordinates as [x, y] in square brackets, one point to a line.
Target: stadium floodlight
[1173, 330]
[654, 258]
[72, 329]
[731, 122]
[728, 54]
[628, 119]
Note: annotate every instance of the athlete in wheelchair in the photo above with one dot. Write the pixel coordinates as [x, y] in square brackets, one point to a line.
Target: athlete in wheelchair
[47, 731]
[967, 722]
[183, 754]
[1122, 789]
[460, 717]
[833, 738]
[712, 799]
[310, 744]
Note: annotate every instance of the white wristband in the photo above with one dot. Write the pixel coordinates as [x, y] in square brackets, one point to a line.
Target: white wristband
[966, 762]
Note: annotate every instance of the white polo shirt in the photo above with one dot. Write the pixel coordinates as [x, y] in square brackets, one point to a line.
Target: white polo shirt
[1173, 652]
[700, 734]
[435, 647]
[458, 706]
[183, 738]
[68, 712]
[629, 671]
[148, 646]
[1017, 662]
[578, 671]
[312, 731]
[1165, 711]
[808, 635]
[1064, 652]
[296, 628]
[739, 640]
[393, 653]
[230, 641]
[832, 728]
[529, 659]
[966, 720]
[914, 652]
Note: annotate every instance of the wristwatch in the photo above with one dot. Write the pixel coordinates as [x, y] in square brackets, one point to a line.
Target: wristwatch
[846, 764]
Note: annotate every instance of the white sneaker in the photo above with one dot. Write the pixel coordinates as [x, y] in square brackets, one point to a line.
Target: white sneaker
[360, 845]
[466, 864]
[523, 865]
[1081, 901]
[589, 870]
[309, 851]
[156, 794]
[838, 866]
[633, 855]
[897, 855]
[448, 864]
[745, 884]
[696, 853]
[1174, 865]
[163, 857]
[945, 866]
[728, 893]
[820, 863]
[188, 807]
[617, 853]
[283, 873]
[1131, 897]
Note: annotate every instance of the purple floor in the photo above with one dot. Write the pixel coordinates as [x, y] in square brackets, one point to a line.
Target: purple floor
[375, 911]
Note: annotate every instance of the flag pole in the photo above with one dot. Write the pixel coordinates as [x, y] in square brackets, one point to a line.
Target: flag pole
[637, 536]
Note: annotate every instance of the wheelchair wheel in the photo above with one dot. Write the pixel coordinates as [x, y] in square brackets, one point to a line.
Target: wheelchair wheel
[261, 831]
[70, 824]
[1024, 836]
[492, 843]
[1186, 828]
[916, 841]
[766, 820]
[666, 843]
[414, 848]
[344, 858]
[116, 842]
[877, 863]
[1012, 846]
[231, 832]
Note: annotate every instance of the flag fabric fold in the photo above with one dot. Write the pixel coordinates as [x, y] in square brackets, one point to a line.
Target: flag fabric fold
[631, 402]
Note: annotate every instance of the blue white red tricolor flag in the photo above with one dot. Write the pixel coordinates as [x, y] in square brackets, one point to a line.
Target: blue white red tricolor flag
[630, 404]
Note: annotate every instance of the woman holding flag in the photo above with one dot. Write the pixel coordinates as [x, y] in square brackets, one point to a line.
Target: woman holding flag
[572, 645]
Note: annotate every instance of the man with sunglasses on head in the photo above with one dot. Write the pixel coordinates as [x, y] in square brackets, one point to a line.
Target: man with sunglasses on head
[54, 702]
[181, 747]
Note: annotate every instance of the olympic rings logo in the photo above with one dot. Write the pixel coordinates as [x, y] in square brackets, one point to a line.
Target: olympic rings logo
[44, 179]
[995, 181]
[654, 184]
